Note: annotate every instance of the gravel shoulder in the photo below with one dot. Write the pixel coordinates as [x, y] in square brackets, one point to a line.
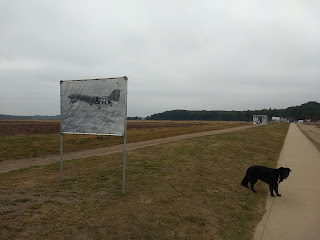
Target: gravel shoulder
[312, 133]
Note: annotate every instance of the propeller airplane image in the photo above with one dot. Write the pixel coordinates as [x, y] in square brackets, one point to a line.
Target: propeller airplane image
[107, 100]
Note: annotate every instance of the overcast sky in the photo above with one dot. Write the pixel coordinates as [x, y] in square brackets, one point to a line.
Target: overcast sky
[194, 55]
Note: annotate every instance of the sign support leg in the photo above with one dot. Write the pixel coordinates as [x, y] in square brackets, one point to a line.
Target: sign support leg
[124, 164]
[61, 157]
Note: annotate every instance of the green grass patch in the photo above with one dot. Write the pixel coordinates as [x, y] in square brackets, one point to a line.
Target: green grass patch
[183, 190]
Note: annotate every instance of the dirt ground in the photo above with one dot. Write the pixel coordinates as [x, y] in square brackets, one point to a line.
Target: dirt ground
[27, 127]
[9, 165]
[312, 132]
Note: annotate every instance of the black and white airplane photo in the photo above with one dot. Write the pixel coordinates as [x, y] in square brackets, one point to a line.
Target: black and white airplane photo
[96, 100]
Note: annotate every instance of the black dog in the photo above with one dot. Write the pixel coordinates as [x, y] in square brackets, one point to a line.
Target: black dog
[268, 175]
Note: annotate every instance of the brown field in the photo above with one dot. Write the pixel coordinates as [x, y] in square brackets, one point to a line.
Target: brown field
[188, 189]
[31, 138]
[29, 127]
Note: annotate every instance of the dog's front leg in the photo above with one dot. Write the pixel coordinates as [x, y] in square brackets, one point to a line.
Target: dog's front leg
[271, 190]
[276, 189]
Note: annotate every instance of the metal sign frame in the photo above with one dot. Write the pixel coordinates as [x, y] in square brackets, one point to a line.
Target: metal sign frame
[124, 135]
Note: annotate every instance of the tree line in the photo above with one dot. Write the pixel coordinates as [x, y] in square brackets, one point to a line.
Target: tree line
[310, 109]
[297, 112]
[6, 116]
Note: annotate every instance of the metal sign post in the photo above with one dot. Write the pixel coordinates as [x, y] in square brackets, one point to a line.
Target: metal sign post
[61, 157]
[61, 140]
[124, 165]
[124, 141]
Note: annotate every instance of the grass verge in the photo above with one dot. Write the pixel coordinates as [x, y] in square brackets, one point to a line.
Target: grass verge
[182, 190]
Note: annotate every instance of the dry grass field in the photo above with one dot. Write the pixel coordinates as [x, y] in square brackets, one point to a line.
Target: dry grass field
[183, 190]
[31, 138]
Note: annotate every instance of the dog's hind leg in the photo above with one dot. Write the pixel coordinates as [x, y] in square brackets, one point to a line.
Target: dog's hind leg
[245, 181]
[253, 182]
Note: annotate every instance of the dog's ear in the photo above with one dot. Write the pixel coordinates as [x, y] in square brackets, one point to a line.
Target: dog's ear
[289, 170]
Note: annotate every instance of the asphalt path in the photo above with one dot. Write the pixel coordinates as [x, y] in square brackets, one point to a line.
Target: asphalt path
[295, 215]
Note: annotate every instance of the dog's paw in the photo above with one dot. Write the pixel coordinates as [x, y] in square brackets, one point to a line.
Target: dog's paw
[279, 195]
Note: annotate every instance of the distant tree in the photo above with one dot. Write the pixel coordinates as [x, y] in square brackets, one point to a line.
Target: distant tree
[134, 118]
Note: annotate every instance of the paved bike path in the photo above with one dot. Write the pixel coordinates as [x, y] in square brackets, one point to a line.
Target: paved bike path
[295, 215]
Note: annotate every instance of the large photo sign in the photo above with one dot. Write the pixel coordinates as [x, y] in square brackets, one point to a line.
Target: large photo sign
[94, 106]
[260, 119]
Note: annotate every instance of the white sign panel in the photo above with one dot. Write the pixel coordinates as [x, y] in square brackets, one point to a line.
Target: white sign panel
[260, 119]
[94, 106]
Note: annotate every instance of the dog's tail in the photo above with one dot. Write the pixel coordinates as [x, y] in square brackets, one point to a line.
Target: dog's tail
[245, 181]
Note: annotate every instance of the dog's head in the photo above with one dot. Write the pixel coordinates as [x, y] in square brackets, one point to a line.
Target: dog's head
[284, 173]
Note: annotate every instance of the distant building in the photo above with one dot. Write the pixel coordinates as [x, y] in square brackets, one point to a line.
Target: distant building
[291, 119]
[279, 119]
[275, 119]
[312, 118]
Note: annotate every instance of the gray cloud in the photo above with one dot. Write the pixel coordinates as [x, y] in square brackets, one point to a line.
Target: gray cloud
[232, 55]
